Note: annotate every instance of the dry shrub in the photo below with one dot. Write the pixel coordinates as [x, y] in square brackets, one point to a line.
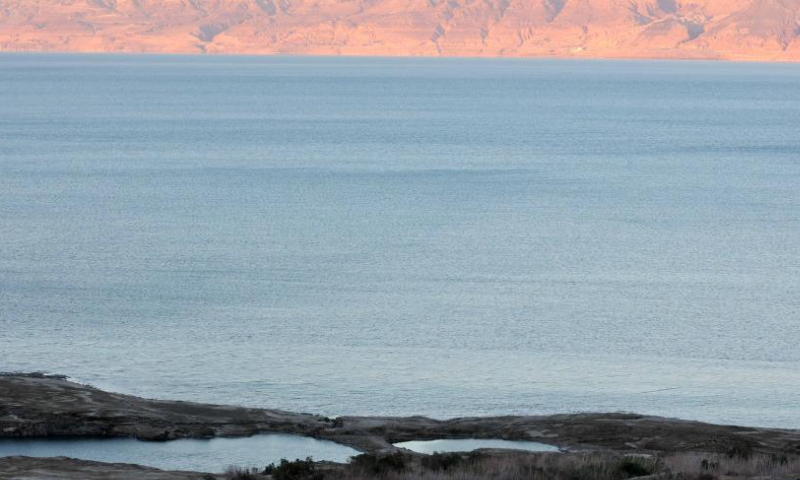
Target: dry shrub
[511, 467]
[565, 466]
[717, 465]
[239, 473]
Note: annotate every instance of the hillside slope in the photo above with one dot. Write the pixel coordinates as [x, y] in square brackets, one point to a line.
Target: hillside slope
[725, 29]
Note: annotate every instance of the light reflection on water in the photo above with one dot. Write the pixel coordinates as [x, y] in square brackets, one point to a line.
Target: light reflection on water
[211, 455]
[470, 444]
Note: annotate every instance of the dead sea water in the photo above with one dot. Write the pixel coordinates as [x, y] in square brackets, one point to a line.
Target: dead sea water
[406, 236]
[208, 455]
[472, 444]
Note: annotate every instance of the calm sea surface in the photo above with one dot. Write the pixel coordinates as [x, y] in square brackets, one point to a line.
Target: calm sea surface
[403, 236]
[206, 455]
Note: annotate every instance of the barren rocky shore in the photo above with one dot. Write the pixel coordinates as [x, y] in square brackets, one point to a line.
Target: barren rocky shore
[37, 405]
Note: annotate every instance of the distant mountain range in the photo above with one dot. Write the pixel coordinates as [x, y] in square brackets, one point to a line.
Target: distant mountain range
[721, 29]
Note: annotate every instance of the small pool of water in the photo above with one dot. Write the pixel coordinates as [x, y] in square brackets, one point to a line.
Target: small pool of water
[470, 444]
[211, 455]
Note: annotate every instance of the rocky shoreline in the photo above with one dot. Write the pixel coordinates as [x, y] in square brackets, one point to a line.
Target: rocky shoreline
[38, 405]
[47, 406]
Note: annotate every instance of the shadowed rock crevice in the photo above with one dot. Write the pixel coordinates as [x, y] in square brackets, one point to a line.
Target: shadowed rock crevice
[668, 6]
[108, 4]
[638, 17]
[694, 30]
[267, 6]
[789, 35]
[553, 8]
[502, 6]
[207, 32]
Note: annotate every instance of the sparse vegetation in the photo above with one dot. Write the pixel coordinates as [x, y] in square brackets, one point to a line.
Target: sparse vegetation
[636, 467]
[294, 470]
[238, 473]
[442, 461]
[740, 449]
[379, 464]
[568, 466]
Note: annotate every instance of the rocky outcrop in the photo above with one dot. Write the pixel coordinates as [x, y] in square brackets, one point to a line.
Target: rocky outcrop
[35, 405]
[716, 29]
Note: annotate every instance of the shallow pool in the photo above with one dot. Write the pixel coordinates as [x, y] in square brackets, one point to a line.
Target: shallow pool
[470, 444]
[211, 455]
